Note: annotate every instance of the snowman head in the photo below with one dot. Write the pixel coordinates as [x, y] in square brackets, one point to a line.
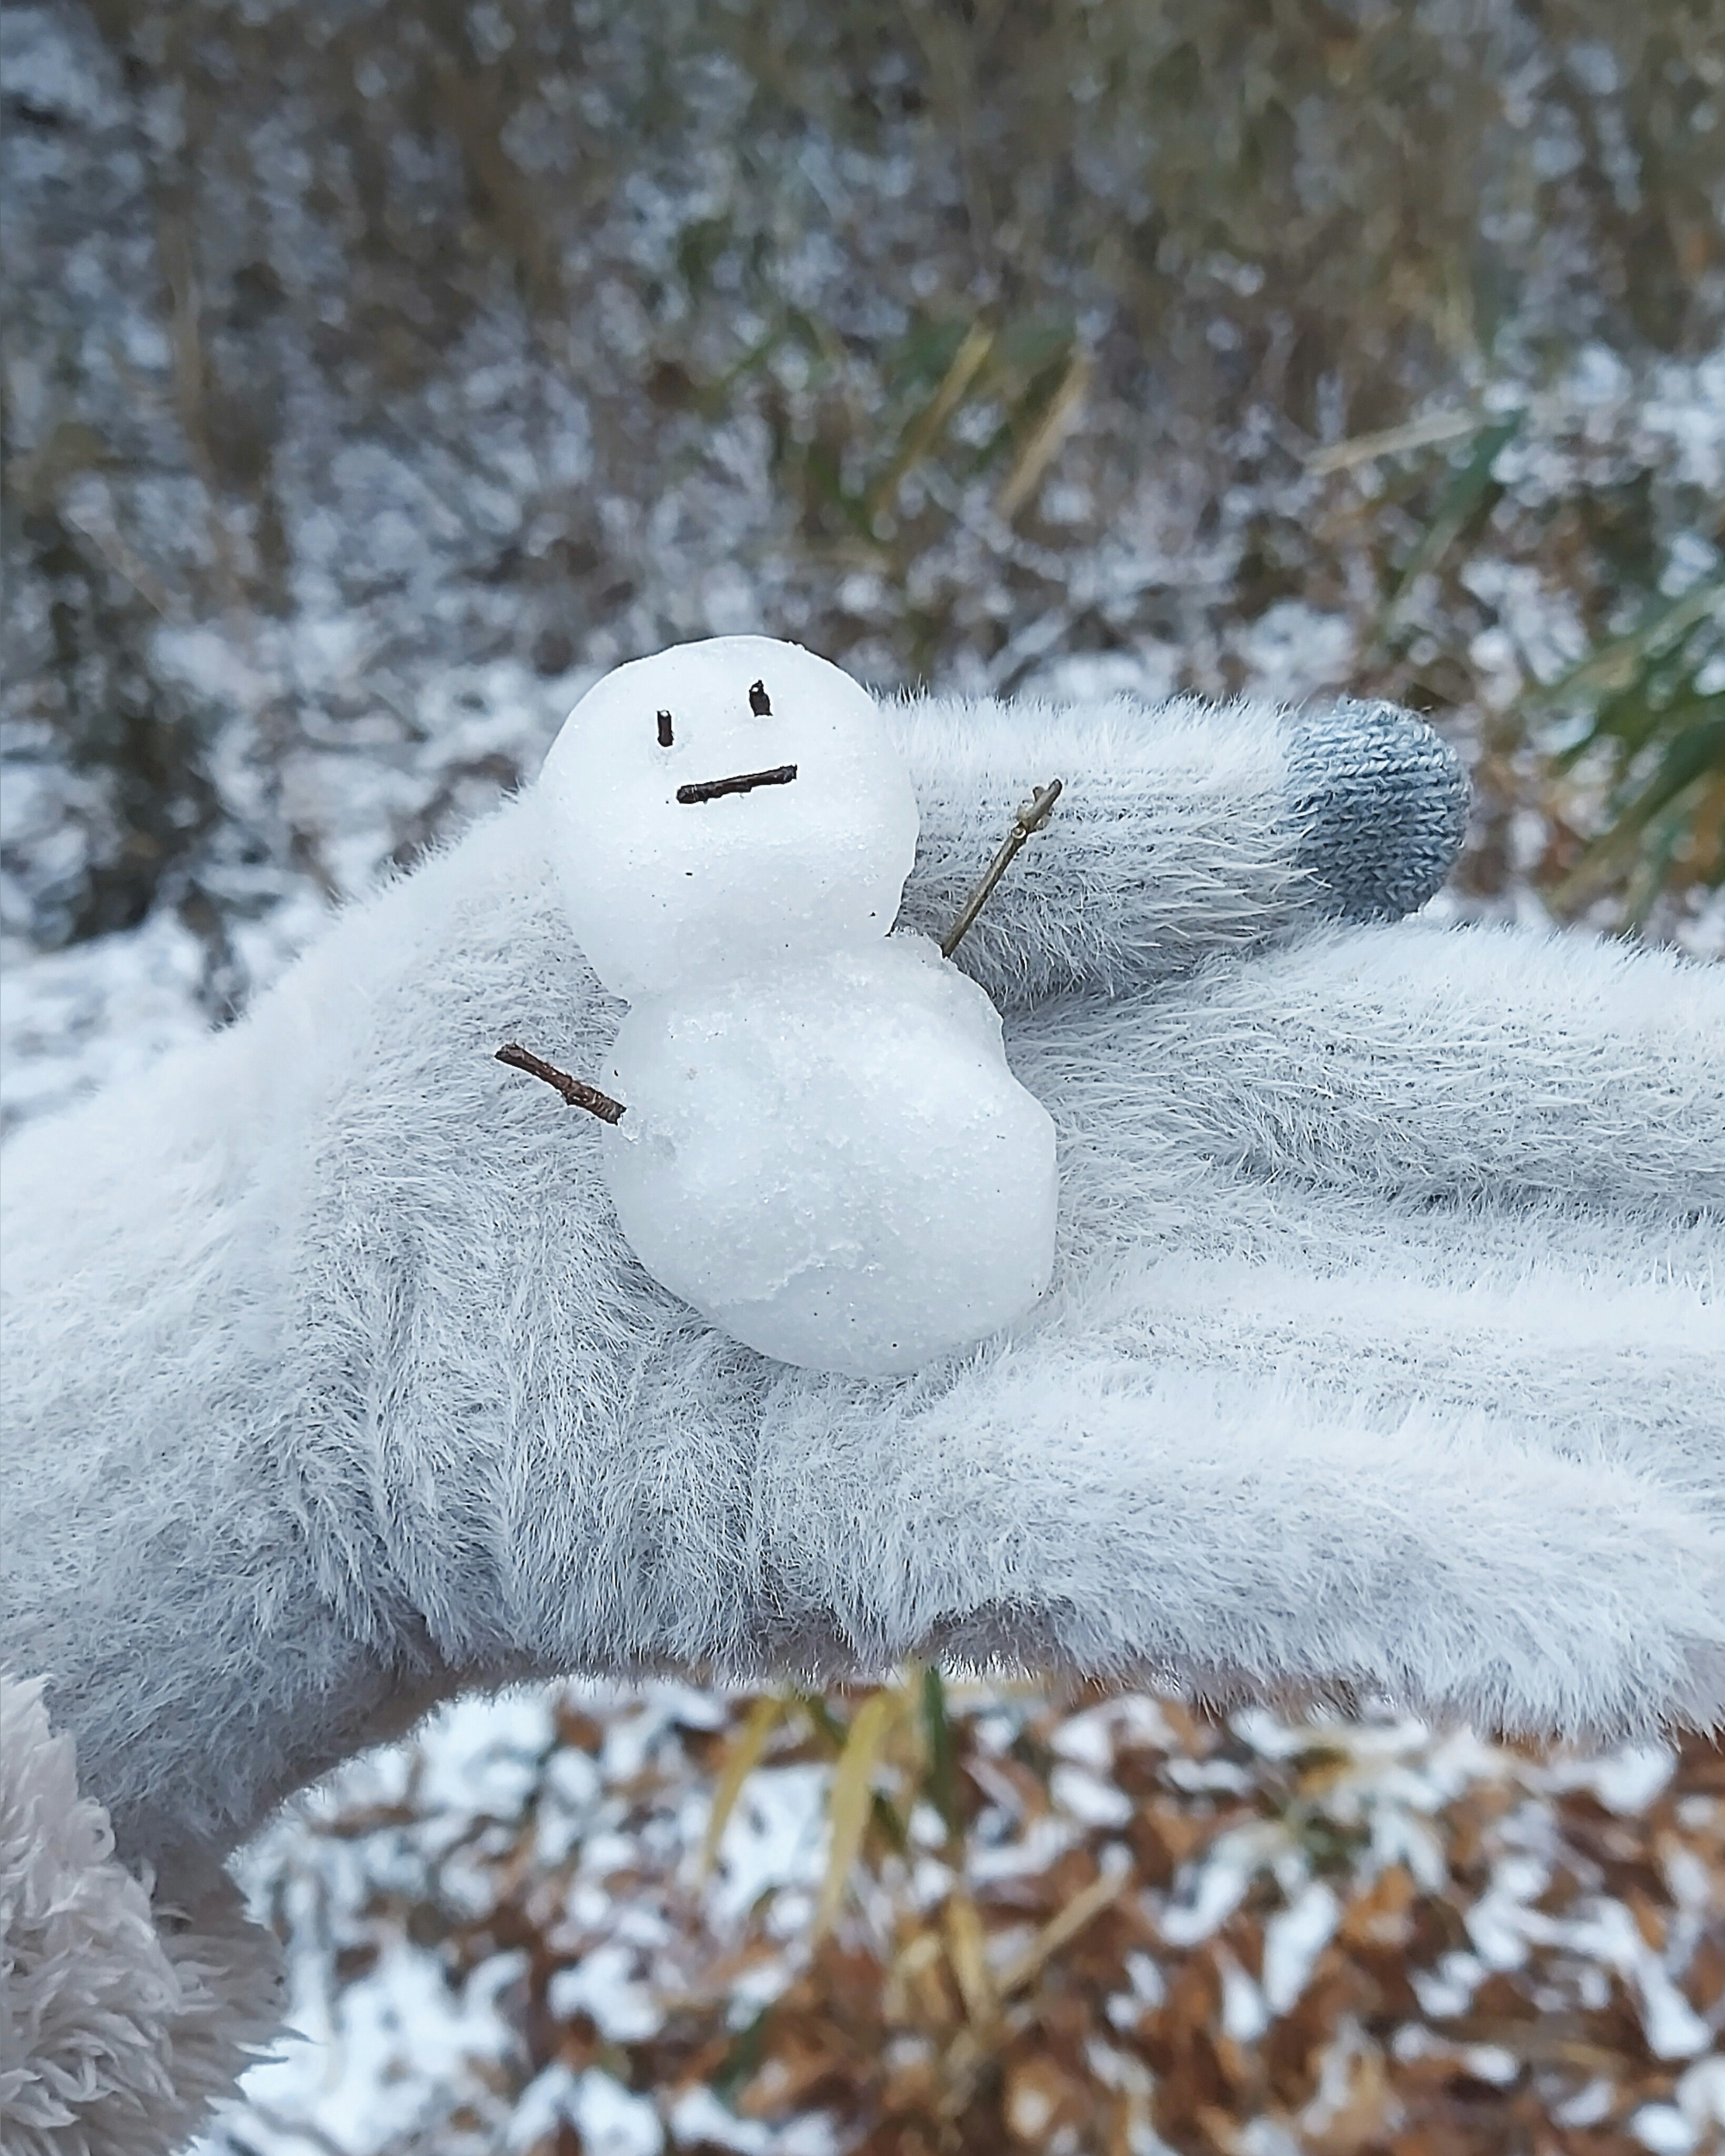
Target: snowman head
[725, 806]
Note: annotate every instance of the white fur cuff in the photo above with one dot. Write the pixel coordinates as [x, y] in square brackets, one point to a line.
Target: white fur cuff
[121, 2022]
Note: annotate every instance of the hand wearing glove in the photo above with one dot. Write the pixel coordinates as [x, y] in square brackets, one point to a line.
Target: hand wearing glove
[1384, 1351]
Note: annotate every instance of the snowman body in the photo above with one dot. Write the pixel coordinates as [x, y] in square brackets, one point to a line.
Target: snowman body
[821, 1146]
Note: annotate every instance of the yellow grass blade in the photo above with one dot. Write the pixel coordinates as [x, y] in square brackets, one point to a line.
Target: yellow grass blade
[1043, 446]
[851, 1797]
[967, 1950]
[1420, 433]
[930, 422]
[1059, 1930]
[742, 1755]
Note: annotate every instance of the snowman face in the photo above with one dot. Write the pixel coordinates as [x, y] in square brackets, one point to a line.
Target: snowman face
[722, 807]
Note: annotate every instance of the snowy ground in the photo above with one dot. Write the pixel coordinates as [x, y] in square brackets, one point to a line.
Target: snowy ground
[1335, 1934]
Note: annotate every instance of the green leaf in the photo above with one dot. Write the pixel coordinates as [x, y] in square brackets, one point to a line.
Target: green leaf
[1464, 497]
[1625, 660]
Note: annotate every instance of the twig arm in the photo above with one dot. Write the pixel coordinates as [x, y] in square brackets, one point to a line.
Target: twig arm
[1032, 816]
[575, 1090]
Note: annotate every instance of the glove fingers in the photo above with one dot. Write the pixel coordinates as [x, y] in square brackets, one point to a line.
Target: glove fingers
[1249, 1535]
[1185, 829]
[1431, 1063]
[1605, 1342]
[1590, 1322]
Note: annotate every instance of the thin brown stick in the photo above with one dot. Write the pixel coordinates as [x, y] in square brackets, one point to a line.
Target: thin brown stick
[1031, 817]
[574, 1091]
[709, 790]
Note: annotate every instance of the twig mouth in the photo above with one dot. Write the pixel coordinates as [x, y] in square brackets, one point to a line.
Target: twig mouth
[709, 790]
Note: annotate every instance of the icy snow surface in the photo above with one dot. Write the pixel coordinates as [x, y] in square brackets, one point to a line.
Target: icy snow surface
[833, 1161]
[663, 891]
[821, 1146]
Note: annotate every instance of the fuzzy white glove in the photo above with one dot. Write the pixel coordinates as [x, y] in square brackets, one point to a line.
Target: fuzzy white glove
[1385, 1350]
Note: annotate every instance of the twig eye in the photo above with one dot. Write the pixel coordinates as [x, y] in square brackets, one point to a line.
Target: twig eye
[665, 730]
[760, 703]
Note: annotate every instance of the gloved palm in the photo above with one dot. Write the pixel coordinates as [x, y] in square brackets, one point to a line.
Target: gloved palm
[1383, 1349]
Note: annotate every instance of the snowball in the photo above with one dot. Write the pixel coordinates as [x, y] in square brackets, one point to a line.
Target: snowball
[833, 1162]
[661, 890]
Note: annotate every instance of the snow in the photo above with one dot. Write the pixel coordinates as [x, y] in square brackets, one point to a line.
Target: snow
[1293, 1940]
[833, 1162]
[662, 891]
[821, 1145]
[403, 2052]
[774, 1840]
[1089, 1797]
[1663, 2129]
[610, 2120]
[698, 2117]
[1207, 1895]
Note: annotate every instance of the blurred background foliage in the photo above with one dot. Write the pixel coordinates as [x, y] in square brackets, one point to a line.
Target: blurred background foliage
[1132, 344]
[377, 372]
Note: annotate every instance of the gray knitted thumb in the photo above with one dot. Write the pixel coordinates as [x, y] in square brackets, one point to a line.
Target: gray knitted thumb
[1381, 803]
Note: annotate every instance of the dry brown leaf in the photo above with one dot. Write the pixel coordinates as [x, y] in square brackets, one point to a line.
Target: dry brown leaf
[1381, 1917]
[1040, 2099]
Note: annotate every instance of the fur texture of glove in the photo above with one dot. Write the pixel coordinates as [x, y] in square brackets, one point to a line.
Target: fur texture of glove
[1385, 1352]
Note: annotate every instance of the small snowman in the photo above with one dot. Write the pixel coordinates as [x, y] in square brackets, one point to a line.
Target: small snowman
[811, 1132]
